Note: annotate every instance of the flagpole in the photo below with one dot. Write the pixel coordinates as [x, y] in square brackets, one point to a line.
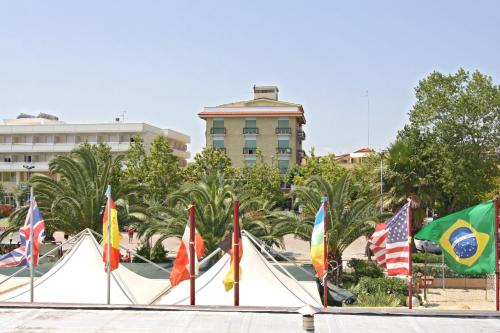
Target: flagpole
[410, 266]
[236, 241]
[191, 254]
[32, 235]
[325, 253]
[497, 280]
[108, 248]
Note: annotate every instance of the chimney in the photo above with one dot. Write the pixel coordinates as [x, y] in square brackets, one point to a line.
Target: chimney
[267, 92]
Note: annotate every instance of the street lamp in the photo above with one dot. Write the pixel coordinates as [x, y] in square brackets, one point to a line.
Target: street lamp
[28, 168]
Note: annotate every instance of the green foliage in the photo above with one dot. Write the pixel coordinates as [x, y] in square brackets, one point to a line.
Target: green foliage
[378, 299]
[436, 270]
[363, 268]
[443, 156]
[261, 181]
[143, 250]
[421, 257]
[158, 253]
[325, 167]
[394, 287]
[157, 169]
[73, 197]
[347, 218]
[210, 161]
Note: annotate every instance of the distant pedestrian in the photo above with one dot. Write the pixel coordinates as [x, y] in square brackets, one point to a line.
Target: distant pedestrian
[130, 232]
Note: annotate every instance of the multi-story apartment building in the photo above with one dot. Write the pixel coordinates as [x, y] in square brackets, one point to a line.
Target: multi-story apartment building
[265, 123]
[350, 160]
[30, 140]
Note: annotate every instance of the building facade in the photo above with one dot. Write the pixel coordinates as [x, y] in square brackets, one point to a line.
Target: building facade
[266, 124]
[30, 140]
[350, 160]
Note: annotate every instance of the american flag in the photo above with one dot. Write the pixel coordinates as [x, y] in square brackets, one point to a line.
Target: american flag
[22, 255]
[390, 245]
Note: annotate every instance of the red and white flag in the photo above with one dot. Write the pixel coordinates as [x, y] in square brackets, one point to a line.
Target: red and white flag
[390, 243]
[180, 271]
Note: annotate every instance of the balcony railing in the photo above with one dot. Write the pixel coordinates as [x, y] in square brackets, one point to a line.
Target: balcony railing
[285, 151]
[218, 130]
[250, 130]
[301, 135]
[283, 130]
[301, 153]
[249, 151]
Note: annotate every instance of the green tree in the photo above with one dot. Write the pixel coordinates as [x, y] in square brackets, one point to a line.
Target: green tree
[73, 197]
[157, 169]
[209, 161]
[443, 155]
[347, 219]
[323, 166]
[261, 181]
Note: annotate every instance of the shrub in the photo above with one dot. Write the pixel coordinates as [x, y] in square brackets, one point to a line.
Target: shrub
[431, 258]
[387, 286]
[378, 299]
[363, 268]
[158, 253]
[143, 250]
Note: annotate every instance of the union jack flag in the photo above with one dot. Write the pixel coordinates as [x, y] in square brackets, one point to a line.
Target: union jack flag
[22, 255]
[389, 243]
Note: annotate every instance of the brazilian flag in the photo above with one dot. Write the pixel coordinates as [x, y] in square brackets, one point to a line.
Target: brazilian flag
[466, 237]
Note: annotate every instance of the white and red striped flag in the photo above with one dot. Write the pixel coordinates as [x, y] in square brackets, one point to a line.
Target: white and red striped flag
[389, 243]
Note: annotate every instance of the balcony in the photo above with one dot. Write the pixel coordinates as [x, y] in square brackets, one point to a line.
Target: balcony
[218, 130]
[301, 135]
[249, 150]
[283, 130]
[284, 151]
[18, 166]
[301, 153]
[250, 130]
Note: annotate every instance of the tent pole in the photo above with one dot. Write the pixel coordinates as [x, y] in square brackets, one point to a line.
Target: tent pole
[108, 247]
[191, 254]
[236, 249]
[325, 253]
[410, 266]
[32, 257]
[497, 290]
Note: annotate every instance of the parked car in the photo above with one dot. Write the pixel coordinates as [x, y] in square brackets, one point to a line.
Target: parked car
[426, 245]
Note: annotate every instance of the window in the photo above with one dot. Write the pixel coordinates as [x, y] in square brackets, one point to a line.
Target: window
[7, 159]
[218, 143]
[283, 165]
[283, 123]
[283, 143]
[27, 158]
[250, 123]
[218, 123]
[250, 143]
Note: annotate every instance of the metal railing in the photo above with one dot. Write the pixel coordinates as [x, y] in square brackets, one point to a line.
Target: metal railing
[286, 151]
[218, 130]
[301, 135]
[250, 130]
[249, 151]
[283, 130]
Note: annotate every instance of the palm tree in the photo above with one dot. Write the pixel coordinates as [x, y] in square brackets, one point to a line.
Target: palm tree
[348, 217]
[72, 198]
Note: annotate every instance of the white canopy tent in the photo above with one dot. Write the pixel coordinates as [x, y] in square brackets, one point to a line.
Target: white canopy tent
[261, 284]
[79, 277]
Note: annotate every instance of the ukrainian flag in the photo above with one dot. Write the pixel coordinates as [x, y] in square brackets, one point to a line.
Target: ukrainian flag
[466, 237]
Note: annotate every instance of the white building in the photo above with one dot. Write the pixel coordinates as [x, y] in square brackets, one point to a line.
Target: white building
[37, 140]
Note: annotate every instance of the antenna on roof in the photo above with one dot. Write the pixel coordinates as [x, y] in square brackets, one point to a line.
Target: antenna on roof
[121, 117]
[368, 116]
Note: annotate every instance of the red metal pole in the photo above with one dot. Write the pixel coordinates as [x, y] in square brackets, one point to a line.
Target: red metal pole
[497, 280]
[236, 241]
[410, 266]
[191, 254]
[325, 254]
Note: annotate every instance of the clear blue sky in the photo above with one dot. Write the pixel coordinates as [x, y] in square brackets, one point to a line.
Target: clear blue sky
[163, 61]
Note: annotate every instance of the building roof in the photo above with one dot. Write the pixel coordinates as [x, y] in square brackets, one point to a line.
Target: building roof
[259, 102]
[365, 150]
